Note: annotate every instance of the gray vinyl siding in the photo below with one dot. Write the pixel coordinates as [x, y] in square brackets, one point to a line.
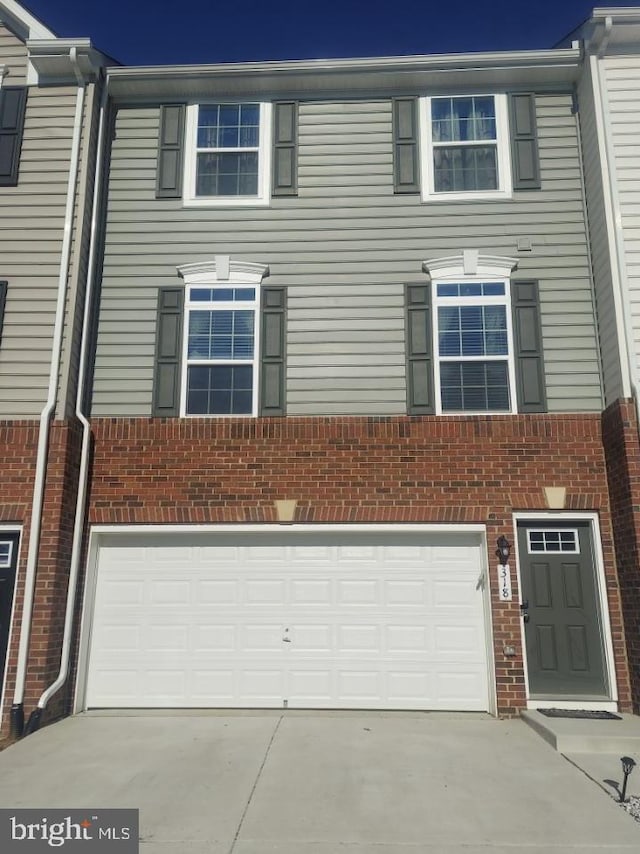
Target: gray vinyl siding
[31, 231]
[344, 249]
[13, 55]
[601, 260]
[622, 75]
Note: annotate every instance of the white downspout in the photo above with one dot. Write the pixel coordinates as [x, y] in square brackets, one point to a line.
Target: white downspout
[17, 713]
[78, 528]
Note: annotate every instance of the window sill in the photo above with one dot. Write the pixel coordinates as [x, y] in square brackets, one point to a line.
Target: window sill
[494, 195]
[211, 202]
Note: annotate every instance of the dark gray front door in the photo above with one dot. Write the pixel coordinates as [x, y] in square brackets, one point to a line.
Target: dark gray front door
[8, 560]
[563, 632]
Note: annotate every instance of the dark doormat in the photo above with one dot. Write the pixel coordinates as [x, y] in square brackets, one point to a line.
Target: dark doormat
[588, 714]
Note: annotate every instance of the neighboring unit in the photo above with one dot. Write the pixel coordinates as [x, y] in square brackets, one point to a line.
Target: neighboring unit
[48, 114]
[609, 96]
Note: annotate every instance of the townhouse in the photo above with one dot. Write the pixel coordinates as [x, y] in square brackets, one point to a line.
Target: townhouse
[346, 340]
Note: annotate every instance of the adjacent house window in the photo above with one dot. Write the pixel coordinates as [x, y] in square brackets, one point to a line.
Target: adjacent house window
[474, 365]
[227, 158]
[466, 150]
[221, 347]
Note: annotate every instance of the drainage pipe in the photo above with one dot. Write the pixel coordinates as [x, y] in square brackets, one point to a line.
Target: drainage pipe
[17, 709]
[78, 528]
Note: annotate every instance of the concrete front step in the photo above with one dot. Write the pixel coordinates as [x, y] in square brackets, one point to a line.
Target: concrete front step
[575, 735]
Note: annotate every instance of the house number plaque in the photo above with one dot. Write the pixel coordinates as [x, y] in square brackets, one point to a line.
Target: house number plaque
[504, 583]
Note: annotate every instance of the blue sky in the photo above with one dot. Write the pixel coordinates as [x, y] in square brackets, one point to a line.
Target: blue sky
[142, 32]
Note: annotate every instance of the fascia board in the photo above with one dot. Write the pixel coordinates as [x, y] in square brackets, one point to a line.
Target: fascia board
[386, 74]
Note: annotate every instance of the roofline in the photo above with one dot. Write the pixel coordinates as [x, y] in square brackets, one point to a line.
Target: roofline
[566, 57]
[622, 13]
[33, 26]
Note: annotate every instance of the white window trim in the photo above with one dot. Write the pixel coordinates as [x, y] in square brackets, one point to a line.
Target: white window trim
[468, 267]
[264, 162]
[223, 273]
[545, 551]
[505, 181]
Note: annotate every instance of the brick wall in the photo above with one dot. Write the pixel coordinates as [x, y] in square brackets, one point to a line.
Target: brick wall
[18, 448]
[363, 470]
[622, 448]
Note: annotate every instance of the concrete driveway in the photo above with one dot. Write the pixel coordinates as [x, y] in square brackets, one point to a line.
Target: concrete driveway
[314, 783]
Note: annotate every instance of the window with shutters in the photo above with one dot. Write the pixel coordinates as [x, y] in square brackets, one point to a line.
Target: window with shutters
[220, 337]
[474, 364]
[227, 153]
[465, 151]
[474, 338]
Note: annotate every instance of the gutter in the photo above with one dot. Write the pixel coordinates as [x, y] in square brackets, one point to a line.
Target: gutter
[83, 476]
[17, 709]
[426, 62]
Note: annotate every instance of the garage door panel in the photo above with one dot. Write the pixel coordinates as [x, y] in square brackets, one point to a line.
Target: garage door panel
[355, 592]
[217, 592]
[263, 638]
[408, 594]
[316, 592]
[214, 686]
[216, 638]
[325, 620]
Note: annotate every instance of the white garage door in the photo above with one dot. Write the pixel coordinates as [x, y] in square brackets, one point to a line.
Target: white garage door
[318, 620]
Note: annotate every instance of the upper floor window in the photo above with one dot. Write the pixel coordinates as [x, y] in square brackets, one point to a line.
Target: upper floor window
[220, 364]
[227, 147]
[474, 365]
[466, 150]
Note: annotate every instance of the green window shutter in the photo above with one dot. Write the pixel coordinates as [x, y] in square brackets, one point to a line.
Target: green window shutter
[170, 151]
[406, 168]
[420, 399]
[285, 148]
[3, 300]
[168, 357]
[529, 361]
[273, 345]
[13, 101]
[524, 141]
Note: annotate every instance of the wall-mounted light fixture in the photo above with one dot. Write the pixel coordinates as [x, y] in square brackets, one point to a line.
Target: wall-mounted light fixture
[504, 550]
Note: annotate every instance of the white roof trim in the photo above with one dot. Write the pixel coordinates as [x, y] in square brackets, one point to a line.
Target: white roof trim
[13, 12]
[452, 61]
[466, 266]
[222, 269]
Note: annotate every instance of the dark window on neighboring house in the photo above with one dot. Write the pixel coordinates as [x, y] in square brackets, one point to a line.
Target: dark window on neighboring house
[13, 100]
[3, 301]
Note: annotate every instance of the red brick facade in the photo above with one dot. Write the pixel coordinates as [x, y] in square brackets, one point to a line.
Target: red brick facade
[18, 449]
[622, 448]
[342, 470]
[364, 470]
